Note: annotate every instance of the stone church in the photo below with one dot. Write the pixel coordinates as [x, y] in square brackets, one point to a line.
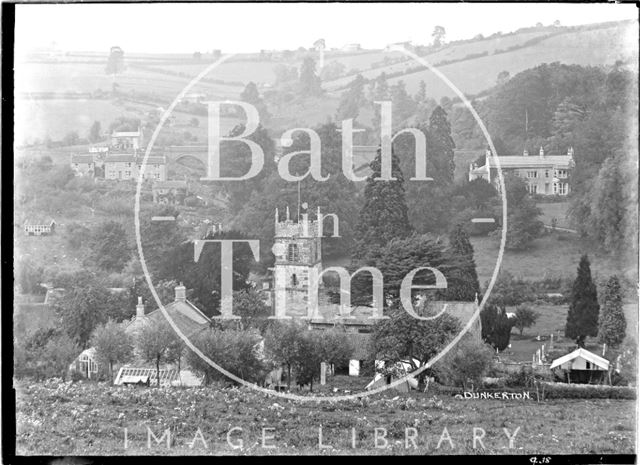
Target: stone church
[298, 251]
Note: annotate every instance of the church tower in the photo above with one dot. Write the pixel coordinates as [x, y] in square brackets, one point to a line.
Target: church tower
[297, 248]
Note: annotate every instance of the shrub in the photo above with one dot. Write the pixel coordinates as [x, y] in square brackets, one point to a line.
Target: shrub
[468, 362]
[522, 378]
[235, 351]
[44, 354]
[586, 391]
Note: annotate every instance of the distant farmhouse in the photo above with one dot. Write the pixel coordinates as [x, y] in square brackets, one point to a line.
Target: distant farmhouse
[352, 48]
[127, 140]
[39, 227]
[544, 174]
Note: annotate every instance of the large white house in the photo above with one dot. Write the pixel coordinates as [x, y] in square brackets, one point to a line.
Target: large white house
[544, 174]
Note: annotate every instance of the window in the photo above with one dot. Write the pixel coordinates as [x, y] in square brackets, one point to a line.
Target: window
[532, 174]
[294, 280]
[128, 165]
[533, 189]
[127, 174]
[563, 188]
[588, 365]
[292, 254]
[546, 173]
[562, 174]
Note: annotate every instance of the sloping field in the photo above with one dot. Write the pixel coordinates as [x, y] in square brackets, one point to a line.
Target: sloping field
[54, 118]
[583, 47]
[473, 76]
[89, 77]
[451, 52]
[230, 71]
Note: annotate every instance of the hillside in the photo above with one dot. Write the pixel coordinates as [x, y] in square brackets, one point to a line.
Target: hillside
[155, 80]
[473, 76]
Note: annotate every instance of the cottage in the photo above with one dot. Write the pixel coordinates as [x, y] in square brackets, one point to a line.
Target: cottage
[189, 319]
[544, 174]
[169, 192]
[127, 166]
[581, 366]
[83, 164]
[39, 227]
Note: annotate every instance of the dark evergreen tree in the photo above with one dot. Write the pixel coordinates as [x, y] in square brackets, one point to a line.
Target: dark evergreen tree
[109, 249]
[612, 325]
[384, 214]
[203, 278]
[582, 319]
[496, 326]
[404, 106]
[251, 95]
[523, 225]
[440, 147]
[309, 80]
[462, 282]
[351, 100]
[421, 95]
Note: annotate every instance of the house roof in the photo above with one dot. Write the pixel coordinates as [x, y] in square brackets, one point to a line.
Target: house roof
[460, 310]
[39, 221]
[330, 312]
[81, 158]
[185, 315]
[463, 311]
[131, 158]
[585, 354]
[154, 159]
[126, 134]
[120, 157]
[177, 184]
[531, 161]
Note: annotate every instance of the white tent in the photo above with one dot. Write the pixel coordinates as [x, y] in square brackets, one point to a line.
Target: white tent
[581, 359]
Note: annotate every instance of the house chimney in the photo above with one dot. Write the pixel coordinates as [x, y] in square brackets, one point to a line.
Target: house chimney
[541, 152]
[140, 308]
[181, 293]
[570, 152]
[525, 153]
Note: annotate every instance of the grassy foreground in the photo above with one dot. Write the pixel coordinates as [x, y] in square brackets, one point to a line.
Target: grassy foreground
[56, 418]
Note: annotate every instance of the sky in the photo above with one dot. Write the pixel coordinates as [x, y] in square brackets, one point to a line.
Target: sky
[238, 28]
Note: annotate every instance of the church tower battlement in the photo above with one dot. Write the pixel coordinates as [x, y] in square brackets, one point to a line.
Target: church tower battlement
[297, 249]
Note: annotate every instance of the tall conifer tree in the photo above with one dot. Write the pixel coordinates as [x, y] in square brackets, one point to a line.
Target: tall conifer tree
[582, 319]
[462, 282]
[384, 214]
[612, 325]
[441, 146]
